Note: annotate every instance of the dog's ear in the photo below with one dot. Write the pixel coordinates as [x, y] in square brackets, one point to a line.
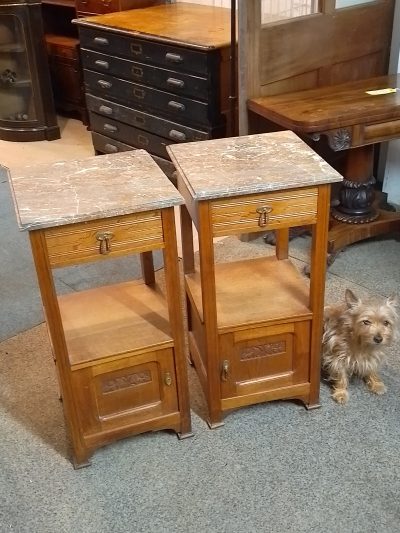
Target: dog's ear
[351, 298]
[393, 300]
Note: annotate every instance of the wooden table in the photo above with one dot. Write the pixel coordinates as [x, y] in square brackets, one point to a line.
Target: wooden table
[352, 120]
[118, 349]
[254, 325]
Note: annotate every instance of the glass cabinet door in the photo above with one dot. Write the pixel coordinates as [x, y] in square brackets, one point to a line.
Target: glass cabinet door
[16, 90]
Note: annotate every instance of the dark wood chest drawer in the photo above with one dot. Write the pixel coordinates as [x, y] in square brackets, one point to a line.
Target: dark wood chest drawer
[151, 123]
[145, 51]
[128, 134]
[167, 80]
[135, 95]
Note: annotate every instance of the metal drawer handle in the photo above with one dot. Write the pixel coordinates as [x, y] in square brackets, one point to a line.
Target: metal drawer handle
[137, 72]
[139, 93]
[177, 135]
[173, 58]
[177, 84]
[110, 128]
[176, 106]
[110, 148]
[104, 238]
[168, 379]
[106, 3]
[102, 64]
[143, 140]
[101, 40]
[105, 109]
[104, 84]
[136, 49]
[263, 212]
[225, 370]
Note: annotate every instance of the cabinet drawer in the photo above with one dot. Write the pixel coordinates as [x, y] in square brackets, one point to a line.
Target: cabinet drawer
[110, 6]
[88, 241]
[167, 80]
[169, 105]
[151, 123]
[105, 145]
[126, 392]
[261, 359]
[144, 51]
[266, 211]
[130, 135]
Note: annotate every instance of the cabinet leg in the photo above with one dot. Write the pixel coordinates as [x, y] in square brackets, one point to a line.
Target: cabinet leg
[215, 420]
[81, 459]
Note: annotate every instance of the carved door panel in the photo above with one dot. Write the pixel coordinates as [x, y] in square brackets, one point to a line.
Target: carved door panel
[263, 359]
[135, 389]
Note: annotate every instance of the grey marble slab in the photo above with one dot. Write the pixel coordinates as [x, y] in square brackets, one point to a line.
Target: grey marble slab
[249, 164]
[66, 192]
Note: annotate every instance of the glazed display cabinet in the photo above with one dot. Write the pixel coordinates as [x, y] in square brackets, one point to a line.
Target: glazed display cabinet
[26, 100]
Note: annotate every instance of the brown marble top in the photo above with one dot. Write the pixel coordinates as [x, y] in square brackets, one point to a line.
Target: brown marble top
[249, 164]
[186, 24]
[66, 192]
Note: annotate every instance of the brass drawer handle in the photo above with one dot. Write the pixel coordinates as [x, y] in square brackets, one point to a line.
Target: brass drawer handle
[225, 370]
[110, 149]
[173, 58]
[176, 106]
[177, 84]
[104, 237]
[101, 40]
[104, 84]
[263, 212]
[110, 128]
[168, 379]
[177, 135]
[102, 64]
[106, 110]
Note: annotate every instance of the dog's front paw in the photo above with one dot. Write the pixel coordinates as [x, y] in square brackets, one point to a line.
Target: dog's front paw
[377, 387]
[340, 396]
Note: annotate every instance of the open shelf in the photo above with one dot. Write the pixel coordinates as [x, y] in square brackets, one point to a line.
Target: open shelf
[110, 322]
[254, 291]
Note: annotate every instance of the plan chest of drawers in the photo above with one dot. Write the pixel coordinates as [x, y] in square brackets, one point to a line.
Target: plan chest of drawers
[118, 348]
[156, 76]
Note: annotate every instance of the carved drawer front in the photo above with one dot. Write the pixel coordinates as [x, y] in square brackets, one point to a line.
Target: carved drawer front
[144, 51]
[134, 117]
[262, 359]
[145, 74]
[88, 241]
[132, 390]
[176, 107]
[266, 211]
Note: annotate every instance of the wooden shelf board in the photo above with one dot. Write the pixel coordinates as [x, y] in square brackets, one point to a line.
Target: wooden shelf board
[255, 291]
[108, 322]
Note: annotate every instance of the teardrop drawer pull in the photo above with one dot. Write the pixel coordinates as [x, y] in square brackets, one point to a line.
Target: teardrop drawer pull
[102, 64]
[106, 110]
[173, 58]
[110, 128]
[177, 135]
[177, 84]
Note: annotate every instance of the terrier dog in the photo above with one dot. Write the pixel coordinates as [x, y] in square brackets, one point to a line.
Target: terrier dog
[356, 334]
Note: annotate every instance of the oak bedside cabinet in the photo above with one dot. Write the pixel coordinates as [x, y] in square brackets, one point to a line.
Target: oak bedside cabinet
[254, 325]
[118, 349]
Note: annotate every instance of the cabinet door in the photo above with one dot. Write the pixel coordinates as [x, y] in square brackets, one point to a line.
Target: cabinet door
[124, 393]
[264, 359]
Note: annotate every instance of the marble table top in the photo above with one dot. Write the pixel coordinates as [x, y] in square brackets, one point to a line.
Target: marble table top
[66, 192]
[249, 164]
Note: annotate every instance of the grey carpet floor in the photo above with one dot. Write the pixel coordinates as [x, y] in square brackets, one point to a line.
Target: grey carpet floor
[273, 467]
